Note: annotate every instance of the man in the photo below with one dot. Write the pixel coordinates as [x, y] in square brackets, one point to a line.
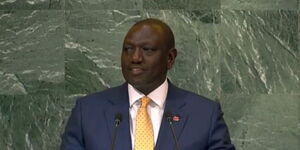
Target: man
[147, 106]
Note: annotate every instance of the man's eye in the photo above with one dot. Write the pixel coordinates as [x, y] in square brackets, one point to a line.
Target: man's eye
[148, 49]
[127, 48]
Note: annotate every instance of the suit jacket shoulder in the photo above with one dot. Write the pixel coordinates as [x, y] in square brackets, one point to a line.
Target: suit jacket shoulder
[189, 98]
[200, 125]
[107, 96]
[91, 123]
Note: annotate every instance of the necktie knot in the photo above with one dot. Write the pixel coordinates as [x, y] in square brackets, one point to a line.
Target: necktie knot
[145, 101]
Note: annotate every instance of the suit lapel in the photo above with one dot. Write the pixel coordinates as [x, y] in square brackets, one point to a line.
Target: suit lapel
[175, 105]
[119, 103]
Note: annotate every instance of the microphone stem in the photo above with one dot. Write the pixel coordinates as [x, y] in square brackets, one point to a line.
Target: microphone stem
[114, 136]
[174, 136]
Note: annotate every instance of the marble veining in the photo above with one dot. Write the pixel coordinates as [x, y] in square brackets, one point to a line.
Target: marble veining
[243, 54]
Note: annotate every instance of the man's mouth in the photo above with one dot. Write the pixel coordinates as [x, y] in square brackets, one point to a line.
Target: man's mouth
[136, 71]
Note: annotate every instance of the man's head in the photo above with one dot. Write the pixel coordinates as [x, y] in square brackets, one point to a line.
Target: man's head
[148, 52]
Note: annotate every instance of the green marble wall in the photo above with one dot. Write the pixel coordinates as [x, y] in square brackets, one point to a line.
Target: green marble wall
[243, 53]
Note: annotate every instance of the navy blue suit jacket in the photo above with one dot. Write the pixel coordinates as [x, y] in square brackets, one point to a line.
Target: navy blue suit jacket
[201, 125]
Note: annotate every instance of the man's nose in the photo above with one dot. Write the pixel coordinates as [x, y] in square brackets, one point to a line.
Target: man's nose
[137, 56]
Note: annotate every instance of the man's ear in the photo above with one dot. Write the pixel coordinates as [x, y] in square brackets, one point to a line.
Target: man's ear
[171, 57]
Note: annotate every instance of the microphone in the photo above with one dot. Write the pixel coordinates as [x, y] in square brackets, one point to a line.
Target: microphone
[118, 119]
[170, 120]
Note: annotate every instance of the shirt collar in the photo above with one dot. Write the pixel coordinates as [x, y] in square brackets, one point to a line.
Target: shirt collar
[158, 96]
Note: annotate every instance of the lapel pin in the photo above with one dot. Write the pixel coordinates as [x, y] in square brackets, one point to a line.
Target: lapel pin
[176, 118]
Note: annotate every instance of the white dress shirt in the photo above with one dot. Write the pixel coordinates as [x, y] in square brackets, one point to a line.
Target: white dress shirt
[155, 108]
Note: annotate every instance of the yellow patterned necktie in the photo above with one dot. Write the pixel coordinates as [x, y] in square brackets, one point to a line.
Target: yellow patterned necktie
[144, 139]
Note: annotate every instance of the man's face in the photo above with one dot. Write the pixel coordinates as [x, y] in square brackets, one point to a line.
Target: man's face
[145, 58]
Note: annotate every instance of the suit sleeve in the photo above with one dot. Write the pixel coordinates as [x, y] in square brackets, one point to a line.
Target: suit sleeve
[72, 139]
[219, 138]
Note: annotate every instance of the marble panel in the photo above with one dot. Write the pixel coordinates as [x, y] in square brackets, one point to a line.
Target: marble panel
[181, 4]
[103, 4]
[31, 122]
[10, 84]
[31, 51]
[259, 51]
[31, 4]
[260, 4]
[93, 48]
[262, 121]
[299, 27]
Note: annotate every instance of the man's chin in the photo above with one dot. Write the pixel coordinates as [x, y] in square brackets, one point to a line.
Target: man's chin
[137, 84]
